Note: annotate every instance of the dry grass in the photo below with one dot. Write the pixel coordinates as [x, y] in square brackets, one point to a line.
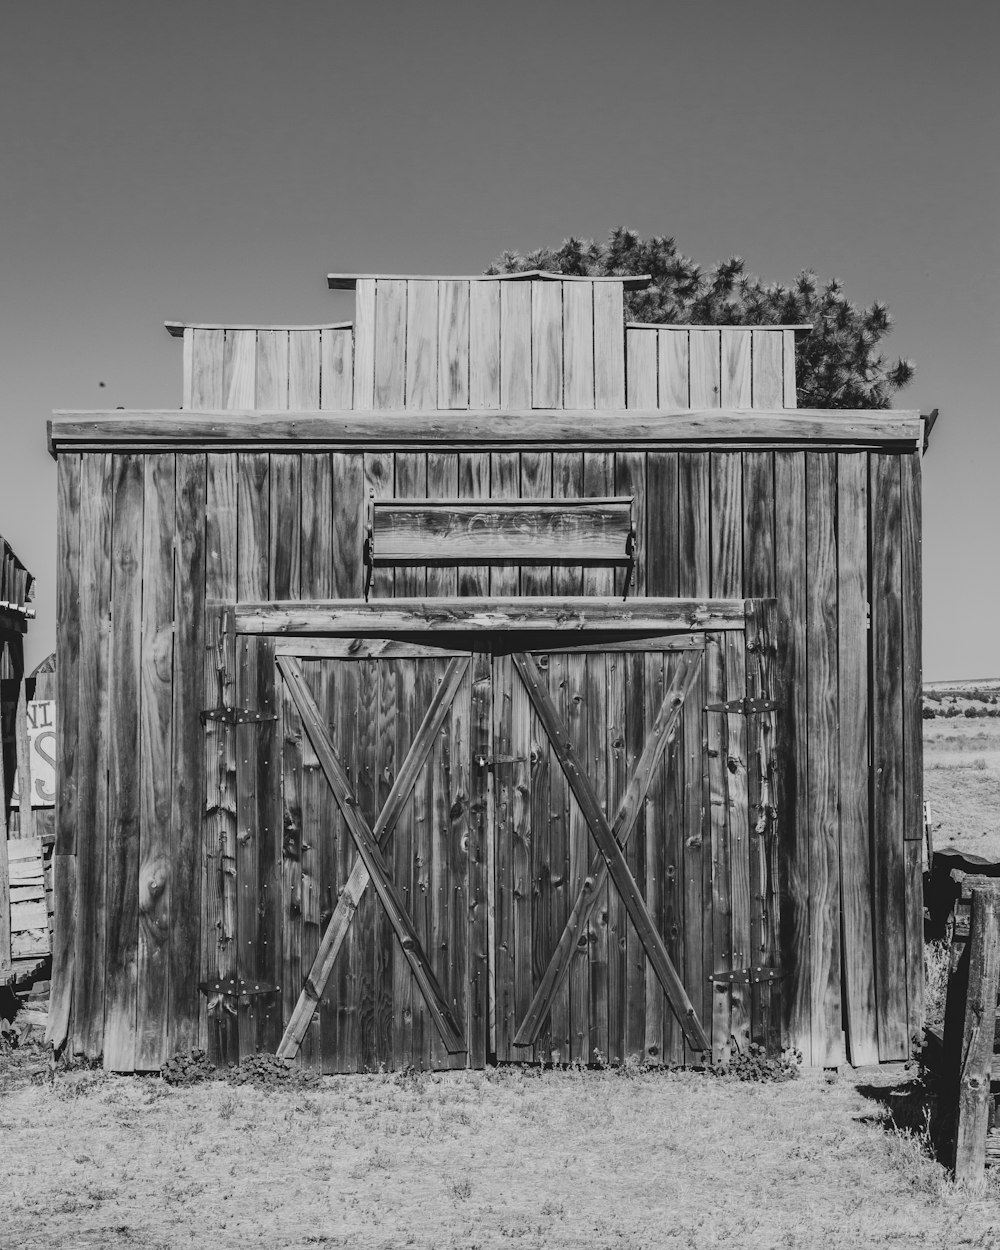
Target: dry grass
[505, 1158]
[962, 783]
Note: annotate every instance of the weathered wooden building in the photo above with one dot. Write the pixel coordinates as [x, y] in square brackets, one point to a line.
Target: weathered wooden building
[488, 679]
[22, 894]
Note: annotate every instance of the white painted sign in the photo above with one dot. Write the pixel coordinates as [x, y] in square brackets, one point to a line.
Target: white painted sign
[41, 717]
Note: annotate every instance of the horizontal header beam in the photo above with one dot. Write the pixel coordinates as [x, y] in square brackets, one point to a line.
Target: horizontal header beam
[348, 281]
[535, 429]
[399, 616]
[176, 328]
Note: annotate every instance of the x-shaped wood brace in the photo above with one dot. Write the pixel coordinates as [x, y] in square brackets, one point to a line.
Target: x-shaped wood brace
[370, 865]
[610, 860]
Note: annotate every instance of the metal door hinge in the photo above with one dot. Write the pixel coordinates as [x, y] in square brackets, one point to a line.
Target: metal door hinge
[236, 715]
[744, 707]
[746, 976]
[237, 988]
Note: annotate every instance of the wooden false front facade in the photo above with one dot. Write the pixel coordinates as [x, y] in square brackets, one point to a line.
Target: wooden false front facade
[436, 793]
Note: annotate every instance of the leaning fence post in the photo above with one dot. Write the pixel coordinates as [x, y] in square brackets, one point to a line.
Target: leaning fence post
[976, 1060]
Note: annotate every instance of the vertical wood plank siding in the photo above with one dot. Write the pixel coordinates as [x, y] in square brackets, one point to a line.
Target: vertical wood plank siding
[154, 897]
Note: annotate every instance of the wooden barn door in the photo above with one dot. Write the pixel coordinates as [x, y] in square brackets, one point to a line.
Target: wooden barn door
[504, 848]
[383, 899]
[663, 949]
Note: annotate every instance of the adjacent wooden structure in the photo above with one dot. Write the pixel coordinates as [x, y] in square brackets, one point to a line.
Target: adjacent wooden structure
[22, 932]
[589, 825]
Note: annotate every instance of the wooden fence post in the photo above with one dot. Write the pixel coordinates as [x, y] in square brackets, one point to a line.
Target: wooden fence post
[977, 1036]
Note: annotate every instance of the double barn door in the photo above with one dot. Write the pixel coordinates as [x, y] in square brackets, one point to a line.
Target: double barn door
[502, 848]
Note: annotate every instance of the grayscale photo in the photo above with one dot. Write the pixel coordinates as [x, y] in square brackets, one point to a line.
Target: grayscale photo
[499, 647]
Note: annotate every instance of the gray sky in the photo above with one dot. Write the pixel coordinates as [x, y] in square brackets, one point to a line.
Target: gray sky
[213, 161]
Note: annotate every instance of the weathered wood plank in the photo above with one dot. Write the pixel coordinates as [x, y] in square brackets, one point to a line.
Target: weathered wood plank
[674, 370]
[546, 344]
[422, 345]
[505, 483]
[364, 344]
[442, 483]
[188, 759]
[271, 381]
[292, 971]
[303, 370]
[207, 369]
[379, 484]
[484, 346]
[336, 354]
[386, 761]
[596, 712]
[502, 951]
[68, 472]
[716, 750]
[788, 381]
[615, 427]
[410, 482]
[90, 762]
[727, 775]
[407, 723]
[518, 779]
[705, 348]
[515, 344]
[360, 764]
[253, 528]
[641, 368]
[267, 934]
[536, 483]
[790, 589]
[480, 861]
[348, 484]
[578, 345]
[887, 756]
[768, 368]
[239, 369]
[736, 392]
[155, 763]
[219, 823]
[247, 842]
[764, 763]
[974, 1100]
[390, 340]
[453, 345]
[913, 779]
[609, 338]
[311, 527]
[285, 524]
[758, 581]
[652, 615]
[335, 688]
[474, 483]
[858, 944]
[123, 766]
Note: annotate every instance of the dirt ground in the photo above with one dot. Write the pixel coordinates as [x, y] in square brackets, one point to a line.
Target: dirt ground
[505, 1158]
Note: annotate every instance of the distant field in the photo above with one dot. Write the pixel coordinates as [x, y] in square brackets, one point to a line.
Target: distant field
[962, 764]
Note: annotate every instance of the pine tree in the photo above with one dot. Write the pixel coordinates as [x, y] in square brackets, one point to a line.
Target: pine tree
[838, 364]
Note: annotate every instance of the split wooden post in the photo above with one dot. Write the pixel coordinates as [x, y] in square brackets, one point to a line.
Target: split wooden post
[977, 1036]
